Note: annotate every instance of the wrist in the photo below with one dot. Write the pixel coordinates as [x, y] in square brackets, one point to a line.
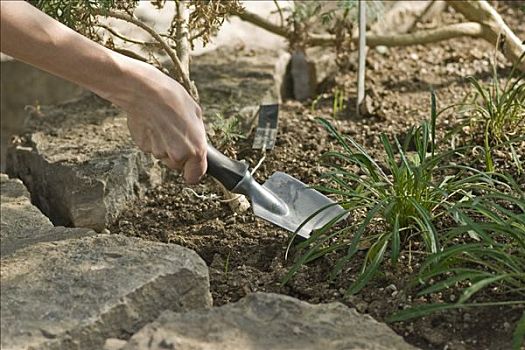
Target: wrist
[125, 81]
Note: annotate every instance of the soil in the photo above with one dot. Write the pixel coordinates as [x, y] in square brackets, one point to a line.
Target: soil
[246, 254]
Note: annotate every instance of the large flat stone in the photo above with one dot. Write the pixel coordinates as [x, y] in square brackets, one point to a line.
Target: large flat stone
[230, 80]
[74, 294]
[18, 214]
[22, 223]
[263, 321]
[80, 164]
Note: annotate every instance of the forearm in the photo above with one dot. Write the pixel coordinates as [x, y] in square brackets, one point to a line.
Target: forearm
[31, 36]
[163, 119]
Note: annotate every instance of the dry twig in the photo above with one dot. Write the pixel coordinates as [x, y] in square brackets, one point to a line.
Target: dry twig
[484, 23]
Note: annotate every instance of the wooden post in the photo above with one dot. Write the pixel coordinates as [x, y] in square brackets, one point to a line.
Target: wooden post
[362, 56]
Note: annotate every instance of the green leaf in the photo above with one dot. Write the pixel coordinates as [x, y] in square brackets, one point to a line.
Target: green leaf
[476, 287]
[419, 311]
[451, 281]
[396, 240]
[370, 271]
[518, 337]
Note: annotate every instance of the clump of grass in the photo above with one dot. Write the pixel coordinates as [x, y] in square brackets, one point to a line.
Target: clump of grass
[402, 198]
[485, 251]
[495, 112]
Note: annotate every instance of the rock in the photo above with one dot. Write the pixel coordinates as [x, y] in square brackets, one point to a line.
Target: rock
[381, 49]
[18, 214]
[23, 88]
[303, 76]
[114, 344]
[22, 223]
[75, 294]
[231, 81]
[264, 321]
[80, 164]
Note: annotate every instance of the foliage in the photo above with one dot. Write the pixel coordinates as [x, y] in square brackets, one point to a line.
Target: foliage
[487, 253]
[495, 112]
[226, 131]
[205, 18]
[81, 14]
[339, 102]
[337, 17]
[401, 199]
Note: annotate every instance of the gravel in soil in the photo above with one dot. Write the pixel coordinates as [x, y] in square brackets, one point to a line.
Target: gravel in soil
[246, 254]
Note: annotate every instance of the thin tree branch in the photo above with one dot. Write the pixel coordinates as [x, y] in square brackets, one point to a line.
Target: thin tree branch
[420, 37]
[263, 23]
[184, 78]
[494, 27]
[120, 36]
[181, 36]
[280, 12]
[131, 54]
[447, 32]
[485, 23]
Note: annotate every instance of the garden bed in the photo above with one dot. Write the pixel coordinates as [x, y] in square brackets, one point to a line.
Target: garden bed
[246, 254]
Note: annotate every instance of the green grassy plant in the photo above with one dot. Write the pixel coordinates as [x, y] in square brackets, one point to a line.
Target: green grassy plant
[485, 251]
[495, 112]
[339, 102]
[401, 199]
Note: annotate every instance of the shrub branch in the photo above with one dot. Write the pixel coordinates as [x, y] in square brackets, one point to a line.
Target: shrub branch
[179, 70]
[484, 23]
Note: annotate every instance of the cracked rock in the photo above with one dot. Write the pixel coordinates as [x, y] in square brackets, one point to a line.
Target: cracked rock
[264, 321]
[77, 293]
[80, 164]
[22, 223]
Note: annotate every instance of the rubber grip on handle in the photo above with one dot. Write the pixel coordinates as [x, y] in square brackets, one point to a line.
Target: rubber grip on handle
[228, 171]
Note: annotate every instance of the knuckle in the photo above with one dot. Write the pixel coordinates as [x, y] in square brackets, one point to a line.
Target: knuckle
[200, 151]
[177, 157]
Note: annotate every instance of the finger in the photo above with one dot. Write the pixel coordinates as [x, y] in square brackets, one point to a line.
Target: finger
[158, 151]
[172, 164]
[194, 169]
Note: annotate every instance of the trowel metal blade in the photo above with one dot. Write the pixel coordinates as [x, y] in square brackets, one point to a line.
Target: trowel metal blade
[302, 202]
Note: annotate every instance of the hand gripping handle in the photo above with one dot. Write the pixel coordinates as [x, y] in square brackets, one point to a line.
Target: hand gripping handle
[227, 171]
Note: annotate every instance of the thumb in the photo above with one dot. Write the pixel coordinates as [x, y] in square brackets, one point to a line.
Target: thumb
[194, 169]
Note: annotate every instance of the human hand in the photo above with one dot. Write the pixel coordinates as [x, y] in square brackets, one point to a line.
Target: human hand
[164, 120]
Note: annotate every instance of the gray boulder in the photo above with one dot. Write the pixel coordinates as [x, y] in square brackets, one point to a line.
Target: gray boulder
[22, 223]
[264, 321]
[75, 294]
[80, 164]
[18, 214]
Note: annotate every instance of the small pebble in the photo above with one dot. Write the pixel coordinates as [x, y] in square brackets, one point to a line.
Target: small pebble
[391, 287]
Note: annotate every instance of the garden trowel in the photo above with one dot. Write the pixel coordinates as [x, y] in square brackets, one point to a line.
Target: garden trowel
[282, 199]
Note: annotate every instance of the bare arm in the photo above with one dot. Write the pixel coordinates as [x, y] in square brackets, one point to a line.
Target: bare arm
[162, 117]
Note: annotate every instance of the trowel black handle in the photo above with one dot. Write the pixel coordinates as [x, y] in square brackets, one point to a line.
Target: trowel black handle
[228, 171]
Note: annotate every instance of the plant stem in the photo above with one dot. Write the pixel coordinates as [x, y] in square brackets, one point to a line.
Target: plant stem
[183, 77]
